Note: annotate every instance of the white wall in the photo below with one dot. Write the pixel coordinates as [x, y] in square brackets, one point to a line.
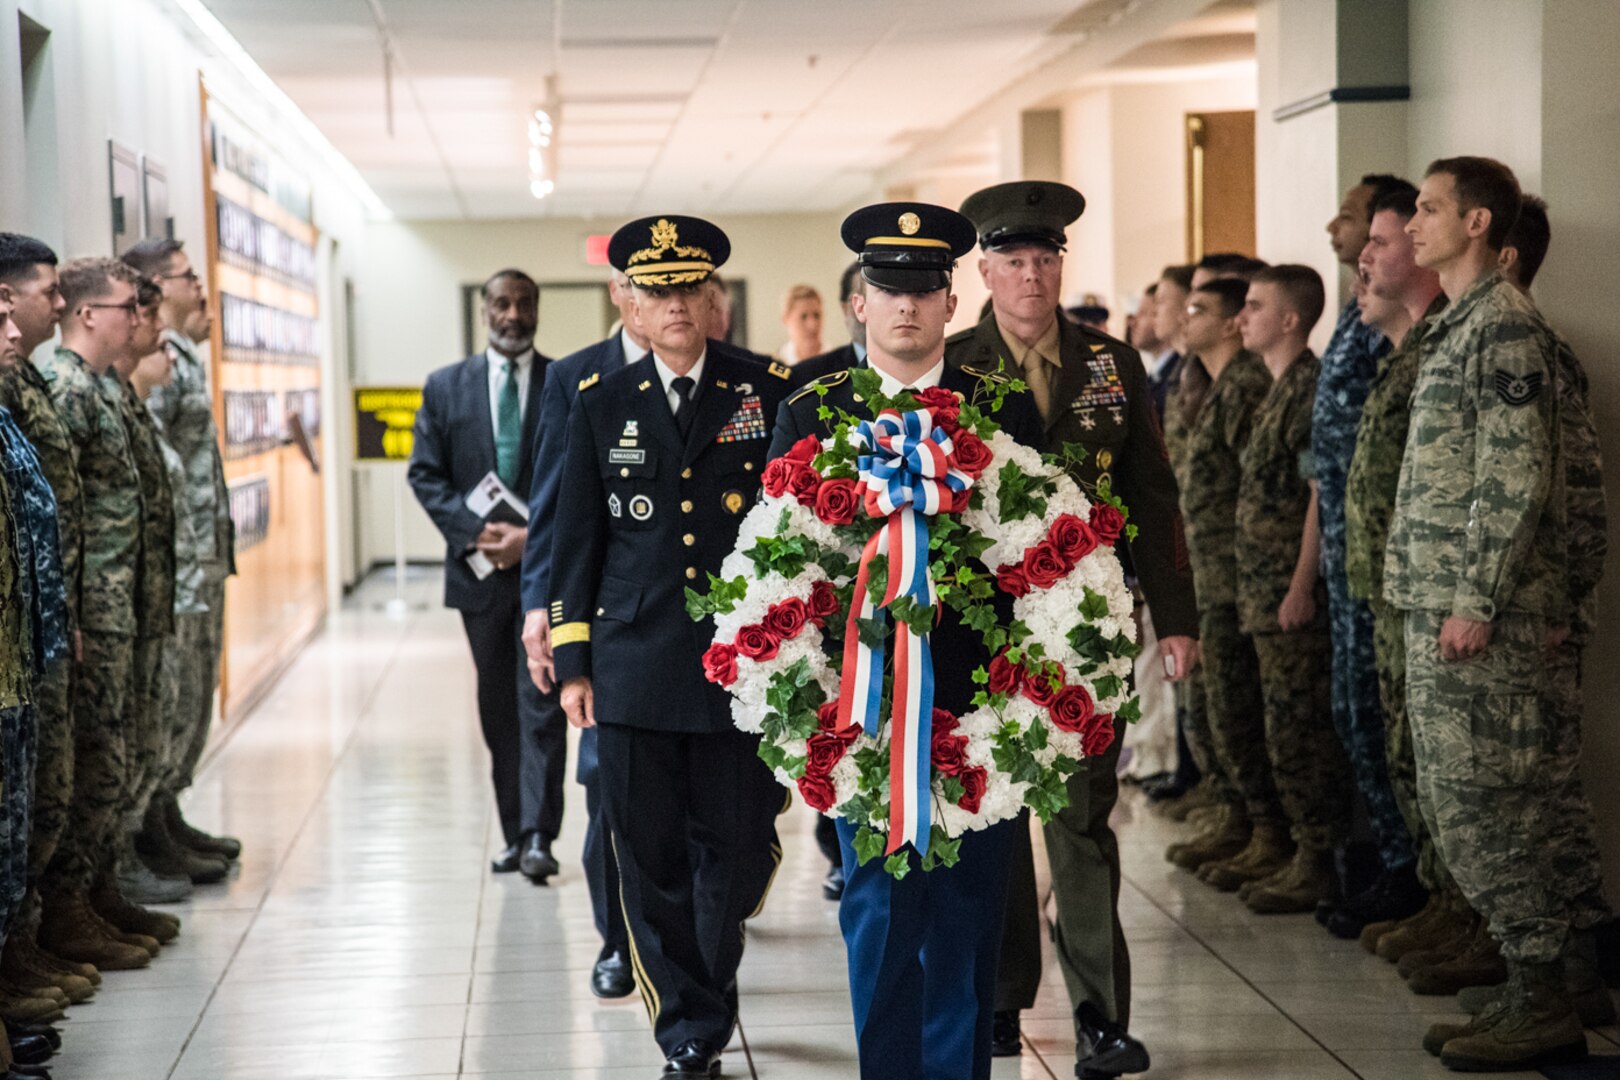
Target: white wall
[128, 71]
[411, 318]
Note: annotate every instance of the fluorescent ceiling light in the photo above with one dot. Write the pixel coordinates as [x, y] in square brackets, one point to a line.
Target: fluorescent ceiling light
[231, 49]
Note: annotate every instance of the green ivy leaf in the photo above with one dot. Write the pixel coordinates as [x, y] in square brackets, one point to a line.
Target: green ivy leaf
[898, 865]
[868, 844]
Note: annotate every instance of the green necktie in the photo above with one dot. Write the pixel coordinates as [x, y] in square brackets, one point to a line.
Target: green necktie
[508, 428]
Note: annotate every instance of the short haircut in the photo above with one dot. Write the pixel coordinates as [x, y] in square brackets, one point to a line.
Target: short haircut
[1484, 182]
[1301, 285]
[1530, 236]
[92, 277]
[797, 294]
[1384, 185]
[1230, 292]
[1151, 290]
[1180, 276]
[1243, 268]
[151, 257]
[1218, 261]
[850, 282]
[19, 255]
[1400, 201]
[512, 273]
[148, 292]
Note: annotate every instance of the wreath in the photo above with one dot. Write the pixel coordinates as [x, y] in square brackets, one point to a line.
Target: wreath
[813, 599]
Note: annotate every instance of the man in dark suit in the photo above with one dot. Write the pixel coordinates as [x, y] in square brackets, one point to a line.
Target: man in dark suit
[922, 949]
[663, 461]
[1091, 389]
[477, 417]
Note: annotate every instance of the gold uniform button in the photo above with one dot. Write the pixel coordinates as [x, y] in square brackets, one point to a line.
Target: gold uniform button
[1105, 459]
[688, 539]
[691, 572]
[686, 506]
[624, 472]
[601, 611]
[748, 466]
[686, 474]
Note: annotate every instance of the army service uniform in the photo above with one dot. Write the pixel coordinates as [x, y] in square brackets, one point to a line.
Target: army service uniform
[111, 547]
[1348, 367]
[646, 512]
[1477, 534]
[1307, 761]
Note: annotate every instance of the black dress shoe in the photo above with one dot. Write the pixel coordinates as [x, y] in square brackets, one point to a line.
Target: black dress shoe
[832, 886]
[1393, 896]
[1005, 1034]
[507, 861]
[30, 1049]
[1170, 788]
[1103, 1049]
[44, 1031]
[694, 1057]
[537, 863]
[611, 977]
[30, 1072]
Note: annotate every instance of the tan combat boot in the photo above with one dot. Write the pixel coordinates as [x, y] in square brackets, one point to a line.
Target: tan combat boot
[71, 930]
[1532, 1026]
[1310, 879]
[1267, 852]
[1446, 922]
[1199, 796]
[130, 918]
[1479, 964]
[21, 969]
[1583, 985]
[1226, 835]
[1372, 932]
[19, 1007]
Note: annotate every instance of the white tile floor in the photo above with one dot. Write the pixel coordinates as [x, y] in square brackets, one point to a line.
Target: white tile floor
[364, 936]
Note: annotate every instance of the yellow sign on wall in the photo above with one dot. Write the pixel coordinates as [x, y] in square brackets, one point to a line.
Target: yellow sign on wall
[384, 417]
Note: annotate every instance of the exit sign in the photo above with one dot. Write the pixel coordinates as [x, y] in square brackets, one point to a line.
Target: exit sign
[596, 248]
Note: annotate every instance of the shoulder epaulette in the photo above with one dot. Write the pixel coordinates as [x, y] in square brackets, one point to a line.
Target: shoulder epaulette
[781, 371]
[961, 335]
[979, 371]
[829, 380]
[587, 383]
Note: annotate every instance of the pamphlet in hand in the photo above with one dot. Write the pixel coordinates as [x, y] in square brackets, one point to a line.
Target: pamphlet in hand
[494, 502]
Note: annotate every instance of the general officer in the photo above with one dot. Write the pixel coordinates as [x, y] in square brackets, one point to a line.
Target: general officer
[663, 461]
[922, 949]
[1092, 390]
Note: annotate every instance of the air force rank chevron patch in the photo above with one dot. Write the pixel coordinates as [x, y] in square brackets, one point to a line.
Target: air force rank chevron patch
[1518, 389]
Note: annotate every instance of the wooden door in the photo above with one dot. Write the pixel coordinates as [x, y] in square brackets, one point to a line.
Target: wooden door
[1220, 183]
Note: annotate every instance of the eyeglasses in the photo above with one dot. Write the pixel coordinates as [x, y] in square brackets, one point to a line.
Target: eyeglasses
[189, 275]
[131, 309]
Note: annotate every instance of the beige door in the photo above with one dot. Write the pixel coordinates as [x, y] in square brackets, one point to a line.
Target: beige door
[1220, 183]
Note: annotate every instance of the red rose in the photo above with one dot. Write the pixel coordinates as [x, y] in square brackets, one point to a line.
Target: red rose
[1011, 579]
[1073, 538]
[960, 501]
[787, 618]
[822, 752]
[971, 453]
[1005, 676]
[803, 482]
[1099, 737]
[942, 721]
[949, 753]
[818, 791]
[823, 602]
[974, 781]
[944, 404]
[757, 642]
[837, 501]
[827, 715]
[720, 664]
[1071, 709]
[1106, 522]
[1044, 565]
[776, 475]
[805, 450]
[1038, 687]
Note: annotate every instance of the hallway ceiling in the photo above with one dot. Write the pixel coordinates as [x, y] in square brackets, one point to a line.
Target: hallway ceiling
[709, 105]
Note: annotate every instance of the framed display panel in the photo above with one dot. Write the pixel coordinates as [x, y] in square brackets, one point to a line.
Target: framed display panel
[155, 200]
[124, 177]
[267, 346]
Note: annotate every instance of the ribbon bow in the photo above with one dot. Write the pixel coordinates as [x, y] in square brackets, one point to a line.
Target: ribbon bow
[905, 469]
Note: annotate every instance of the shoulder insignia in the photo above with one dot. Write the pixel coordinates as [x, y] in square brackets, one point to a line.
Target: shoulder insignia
[1518, 389]
[829, 380]
[587, 383]
[781, 371]
[979, 371]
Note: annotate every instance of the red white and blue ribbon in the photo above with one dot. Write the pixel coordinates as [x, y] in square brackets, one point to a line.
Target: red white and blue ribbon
[906, 473]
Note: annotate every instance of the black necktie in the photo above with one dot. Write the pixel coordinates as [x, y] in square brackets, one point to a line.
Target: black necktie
[683, 385]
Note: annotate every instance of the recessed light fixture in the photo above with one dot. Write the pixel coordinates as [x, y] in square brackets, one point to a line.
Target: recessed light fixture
[542, 144]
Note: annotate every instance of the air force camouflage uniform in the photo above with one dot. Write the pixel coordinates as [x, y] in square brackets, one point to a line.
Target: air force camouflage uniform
[1477, 534]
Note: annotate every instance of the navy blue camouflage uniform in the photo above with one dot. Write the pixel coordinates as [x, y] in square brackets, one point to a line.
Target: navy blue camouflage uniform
[1347, 370]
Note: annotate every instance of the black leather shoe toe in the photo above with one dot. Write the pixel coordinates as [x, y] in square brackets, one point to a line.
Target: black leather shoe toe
[507, 861]
[44, 1031]
[536, 862]
[31, 1049]
[832, 886]
[693, 1058]
[611, 977]
[1006, 1034]
[1103, 1049]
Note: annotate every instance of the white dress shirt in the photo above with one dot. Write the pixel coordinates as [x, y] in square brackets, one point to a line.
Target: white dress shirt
[668, 377]
[522, 366]
[632, 351]
[929, 378]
